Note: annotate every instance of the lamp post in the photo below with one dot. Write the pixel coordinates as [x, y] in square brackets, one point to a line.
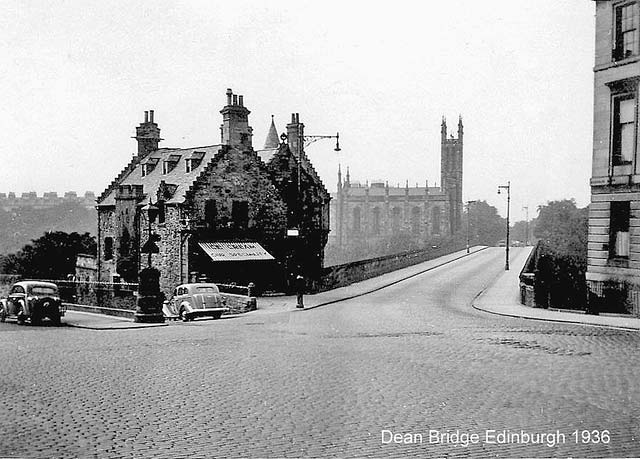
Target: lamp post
[508, 188]
[150, 211]
[526, 226]
[304, 141]
[149, 298]
[468, 220]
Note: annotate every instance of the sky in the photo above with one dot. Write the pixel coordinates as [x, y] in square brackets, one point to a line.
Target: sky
[78, 75]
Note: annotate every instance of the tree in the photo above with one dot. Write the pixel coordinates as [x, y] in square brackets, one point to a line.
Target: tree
[486, 226]
[52, 256]
[562, 229]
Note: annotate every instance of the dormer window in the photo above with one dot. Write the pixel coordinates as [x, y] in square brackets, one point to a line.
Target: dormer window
[148, 166]
[170, 163]
[193, 161]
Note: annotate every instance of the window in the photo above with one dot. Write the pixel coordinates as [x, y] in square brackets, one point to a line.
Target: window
[108, 248]
[356, 220]
[619, 229]
[188, 166]
[624, 129]
[240, 214]
[161, 211]
[435, 220]
[626, 33]
[375, 227]
[415, 220]
[210, 214]
[395, 222]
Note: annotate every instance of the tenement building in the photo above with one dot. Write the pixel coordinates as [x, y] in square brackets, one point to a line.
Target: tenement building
[226, 212]
[373, 211]
[613, 272]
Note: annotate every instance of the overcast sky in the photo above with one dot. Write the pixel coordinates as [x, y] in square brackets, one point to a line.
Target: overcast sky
[78, 75]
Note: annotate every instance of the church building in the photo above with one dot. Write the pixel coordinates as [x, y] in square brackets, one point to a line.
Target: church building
[374, 211]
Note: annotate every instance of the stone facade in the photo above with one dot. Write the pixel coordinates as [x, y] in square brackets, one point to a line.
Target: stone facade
[10, 201]
[613, 273]
[226, 192]
[375, 211]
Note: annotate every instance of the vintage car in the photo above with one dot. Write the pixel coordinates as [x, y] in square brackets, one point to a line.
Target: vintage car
[33, 301]
[193, 300]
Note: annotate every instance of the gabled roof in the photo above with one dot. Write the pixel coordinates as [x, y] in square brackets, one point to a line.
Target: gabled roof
[177, 176]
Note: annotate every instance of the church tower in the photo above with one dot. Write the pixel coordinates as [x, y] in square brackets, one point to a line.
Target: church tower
[451, 174]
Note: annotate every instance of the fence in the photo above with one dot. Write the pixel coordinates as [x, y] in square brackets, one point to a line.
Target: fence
[614, 296]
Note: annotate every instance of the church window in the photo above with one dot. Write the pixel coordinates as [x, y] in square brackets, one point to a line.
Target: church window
[626, 31]
[375, 226]
[356, 220]
[415, 220]
[435, 219]
[395, 221]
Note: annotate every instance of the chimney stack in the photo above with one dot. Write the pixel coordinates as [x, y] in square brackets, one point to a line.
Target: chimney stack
[235, 129]
[147, 135]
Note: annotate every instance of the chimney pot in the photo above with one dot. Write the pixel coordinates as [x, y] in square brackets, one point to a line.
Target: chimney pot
[146, 116]
[151, 116]
[229, 94]
[297, 117]
[235, 99]
[293, 118]
[240, 100]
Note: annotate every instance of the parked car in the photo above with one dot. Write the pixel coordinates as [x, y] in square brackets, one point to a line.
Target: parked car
[33, 301]
[194, 300]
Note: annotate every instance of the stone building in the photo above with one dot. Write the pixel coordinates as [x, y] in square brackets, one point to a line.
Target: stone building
[613, 272]
[225, 211]
[375, 210]
[48, 200]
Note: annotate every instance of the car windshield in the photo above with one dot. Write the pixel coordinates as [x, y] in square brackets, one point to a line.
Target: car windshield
[42, 290]
[207, 289]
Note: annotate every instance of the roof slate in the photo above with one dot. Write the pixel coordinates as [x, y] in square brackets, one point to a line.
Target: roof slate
[177, 176]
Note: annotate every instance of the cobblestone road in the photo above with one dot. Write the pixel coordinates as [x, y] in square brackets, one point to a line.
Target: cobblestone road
[410, 358]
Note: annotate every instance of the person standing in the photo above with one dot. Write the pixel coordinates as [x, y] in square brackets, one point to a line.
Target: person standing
[299, 285]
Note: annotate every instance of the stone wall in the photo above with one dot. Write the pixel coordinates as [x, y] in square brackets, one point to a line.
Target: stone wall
[348, 273]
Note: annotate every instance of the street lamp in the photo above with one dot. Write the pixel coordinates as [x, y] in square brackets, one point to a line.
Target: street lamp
[468, 220]
[150, 211]
[508, 188]
[526, 226]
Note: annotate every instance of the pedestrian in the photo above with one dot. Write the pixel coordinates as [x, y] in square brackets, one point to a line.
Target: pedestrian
[299, 284]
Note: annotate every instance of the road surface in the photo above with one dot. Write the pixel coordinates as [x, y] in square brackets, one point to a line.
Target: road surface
[411, 370]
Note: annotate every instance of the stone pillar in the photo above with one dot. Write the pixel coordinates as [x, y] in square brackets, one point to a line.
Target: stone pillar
[149, 303]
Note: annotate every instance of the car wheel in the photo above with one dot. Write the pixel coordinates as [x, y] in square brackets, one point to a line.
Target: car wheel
[184, 315]
[20, 316]
[217, 315]
[3, 314]
[35, 318]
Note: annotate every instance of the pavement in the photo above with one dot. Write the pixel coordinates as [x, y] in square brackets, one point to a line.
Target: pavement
[501, 298]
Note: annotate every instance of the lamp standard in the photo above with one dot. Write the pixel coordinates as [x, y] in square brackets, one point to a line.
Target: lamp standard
[508, 188]
[526, 226]
[150, 211]
[468, 220]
